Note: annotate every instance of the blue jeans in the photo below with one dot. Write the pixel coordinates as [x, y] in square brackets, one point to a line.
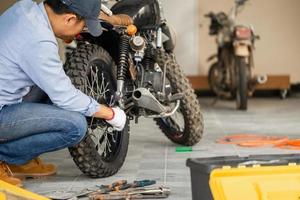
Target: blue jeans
[30, 129]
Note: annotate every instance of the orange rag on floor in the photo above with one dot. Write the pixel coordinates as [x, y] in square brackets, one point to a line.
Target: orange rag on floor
[252, 140]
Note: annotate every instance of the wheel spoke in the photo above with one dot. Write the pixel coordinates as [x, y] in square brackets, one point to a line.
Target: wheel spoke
[100, 137]
[98, 88]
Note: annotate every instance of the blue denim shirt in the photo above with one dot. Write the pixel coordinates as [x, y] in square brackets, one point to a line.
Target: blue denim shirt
[29, 56]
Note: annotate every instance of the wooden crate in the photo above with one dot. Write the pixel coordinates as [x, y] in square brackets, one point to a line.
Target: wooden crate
[275, 82]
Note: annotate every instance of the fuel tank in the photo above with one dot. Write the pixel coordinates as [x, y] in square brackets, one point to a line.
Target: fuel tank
[145, 13]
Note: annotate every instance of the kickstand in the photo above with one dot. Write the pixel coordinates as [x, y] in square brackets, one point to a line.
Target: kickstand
[215, 101]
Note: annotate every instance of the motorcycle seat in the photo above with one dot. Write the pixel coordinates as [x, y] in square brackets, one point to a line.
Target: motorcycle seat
[116, 20]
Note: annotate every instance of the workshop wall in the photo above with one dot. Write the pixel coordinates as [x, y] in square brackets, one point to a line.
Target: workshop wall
[183, 19]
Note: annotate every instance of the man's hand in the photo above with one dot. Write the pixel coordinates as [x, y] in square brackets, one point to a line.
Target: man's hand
[118, 119]
[114, 116]
[119, 19]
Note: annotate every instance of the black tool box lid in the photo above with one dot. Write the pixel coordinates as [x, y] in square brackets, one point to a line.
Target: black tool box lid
[206, 165]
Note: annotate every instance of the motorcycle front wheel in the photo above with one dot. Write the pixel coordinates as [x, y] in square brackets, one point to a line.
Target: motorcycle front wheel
[185, 127]
[241, 83]
[217, 81]
[103, 150]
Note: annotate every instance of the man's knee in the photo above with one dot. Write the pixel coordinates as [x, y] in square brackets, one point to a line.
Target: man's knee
[79, 127]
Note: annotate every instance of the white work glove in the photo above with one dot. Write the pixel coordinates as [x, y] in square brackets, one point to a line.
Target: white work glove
[118, 120]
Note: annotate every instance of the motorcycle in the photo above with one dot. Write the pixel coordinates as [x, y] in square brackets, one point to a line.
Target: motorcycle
[230, 75]
[132, 67]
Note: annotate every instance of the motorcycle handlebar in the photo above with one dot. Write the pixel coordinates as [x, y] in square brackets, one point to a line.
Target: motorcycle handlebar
[240, 2]
[209, 15]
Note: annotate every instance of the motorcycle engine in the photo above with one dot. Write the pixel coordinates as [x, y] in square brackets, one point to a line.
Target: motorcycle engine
[151, 75]
[154, 79]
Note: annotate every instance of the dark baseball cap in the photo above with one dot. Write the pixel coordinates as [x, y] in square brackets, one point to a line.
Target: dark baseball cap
[89, 10]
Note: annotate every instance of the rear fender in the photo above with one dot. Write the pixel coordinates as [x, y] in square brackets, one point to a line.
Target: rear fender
[169, 44]
[109, 40]
[242, 48]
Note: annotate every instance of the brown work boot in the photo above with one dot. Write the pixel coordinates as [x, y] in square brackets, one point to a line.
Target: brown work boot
[6, 175]
[32, 169]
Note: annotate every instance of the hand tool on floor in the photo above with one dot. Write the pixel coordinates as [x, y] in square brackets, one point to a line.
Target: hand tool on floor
[123, 184]
[143, 183]
[104, 189]
[134, 193]
[67, 195]
[135, 184]
[117, 186]
[112, 187]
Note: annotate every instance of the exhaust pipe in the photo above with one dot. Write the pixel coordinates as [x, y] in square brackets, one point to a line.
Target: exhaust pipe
[143, 98]
[262, 79]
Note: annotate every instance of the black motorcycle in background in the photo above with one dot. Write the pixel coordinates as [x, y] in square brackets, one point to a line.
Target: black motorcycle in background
[138, 72]
[230, 76]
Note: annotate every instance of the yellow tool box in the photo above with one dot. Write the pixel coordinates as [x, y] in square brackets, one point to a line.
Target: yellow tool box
[11, 192]
[256, 183]
[254, 177]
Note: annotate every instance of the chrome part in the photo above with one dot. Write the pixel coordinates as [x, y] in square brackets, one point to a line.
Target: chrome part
[168, 114]
[164, 78]
[106, 10]
[159, 38]
[143, 98]
[283, 93]
[157, 68]
[148, 191]
[175, 121]
[262, 79]
[138, 44]
[138, 56]
[119, 93]
[120, 87]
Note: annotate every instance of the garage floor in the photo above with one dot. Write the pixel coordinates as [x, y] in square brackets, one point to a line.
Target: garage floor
[152, 156]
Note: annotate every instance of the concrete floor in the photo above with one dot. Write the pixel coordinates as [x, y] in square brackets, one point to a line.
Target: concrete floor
[152, 156]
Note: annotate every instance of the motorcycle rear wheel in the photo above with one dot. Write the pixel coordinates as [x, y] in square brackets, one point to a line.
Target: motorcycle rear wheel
[102, 152]
[189, 108]
[242, 83]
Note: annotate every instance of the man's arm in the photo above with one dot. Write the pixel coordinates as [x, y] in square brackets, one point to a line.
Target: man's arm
[42, 64]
